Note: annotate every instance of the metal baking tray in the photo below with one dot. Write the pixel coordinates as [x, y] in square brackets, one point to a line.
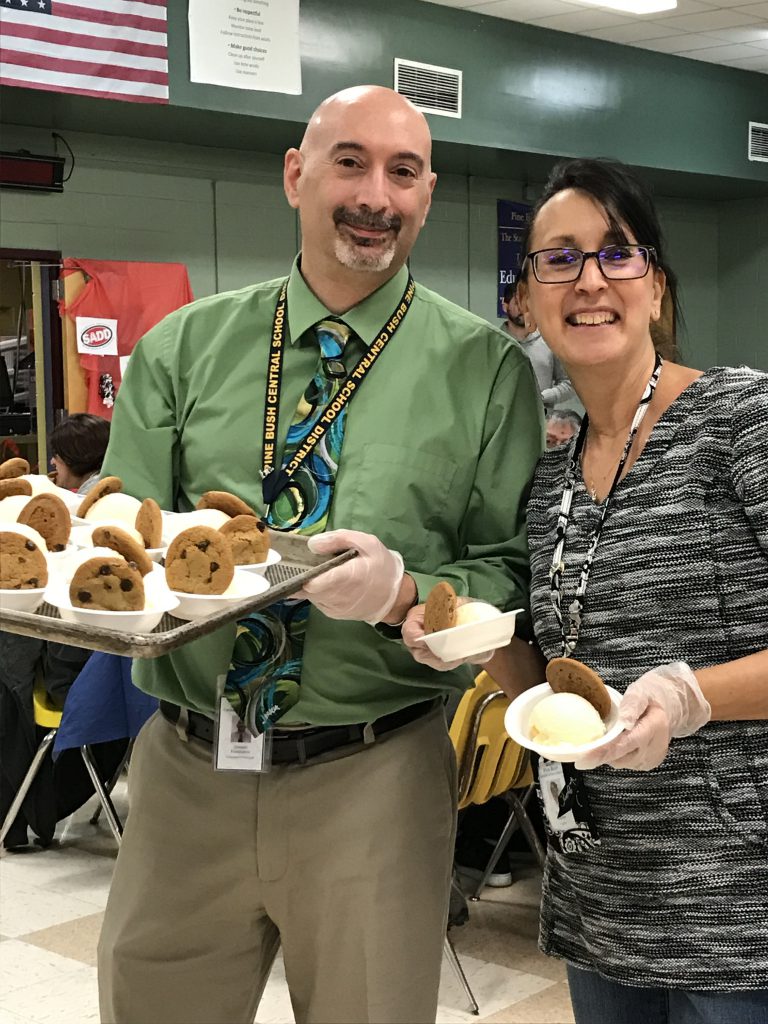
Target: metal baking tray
[298, 565]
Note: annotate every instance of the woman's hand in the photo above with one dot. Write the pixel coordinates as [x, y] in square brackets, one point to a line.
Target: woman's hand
[664, 704]
[413, 631]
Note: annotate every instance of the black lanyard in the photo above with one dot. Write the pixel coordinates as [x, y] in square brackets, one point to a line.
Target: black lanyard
[570, 631]
[273, 482]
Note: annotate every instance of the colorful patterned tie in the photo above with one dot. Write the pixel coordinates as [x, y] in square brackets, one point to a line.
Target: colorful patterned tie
[266, 659]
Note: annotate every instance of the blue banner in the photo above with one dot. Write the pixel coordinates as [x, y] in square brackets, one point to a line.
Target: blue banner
[512, 219]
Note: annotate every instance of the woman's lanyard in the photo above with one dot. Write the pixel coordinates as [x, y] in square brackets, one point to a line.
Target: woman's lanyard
[570, 630]
[272, 483]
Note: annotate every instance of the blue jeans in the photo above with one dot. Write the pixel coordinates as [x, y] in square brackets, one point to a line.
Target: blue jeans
[598, 1001]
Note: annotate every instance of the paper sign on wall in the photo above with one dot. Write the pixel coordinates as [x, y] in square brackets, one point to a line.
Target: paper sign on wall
[245, 44]
[96, 336]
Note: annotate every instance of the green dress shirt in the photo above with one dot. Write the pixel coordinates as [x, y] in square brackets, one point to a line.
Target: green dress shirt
[440, 445]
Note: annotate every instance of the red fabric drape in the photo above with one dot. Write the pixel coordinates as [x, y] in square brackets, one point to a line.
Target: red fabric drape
[137, 295]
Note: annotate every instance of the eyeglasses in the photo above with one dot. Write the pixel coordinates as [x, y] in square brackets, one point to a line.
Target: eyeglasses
[616, 262]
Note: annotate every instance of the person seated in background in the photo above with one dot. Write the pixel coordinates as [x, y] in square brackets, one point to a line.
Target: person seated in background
[554, 385]
[562, 425]
[78, 446]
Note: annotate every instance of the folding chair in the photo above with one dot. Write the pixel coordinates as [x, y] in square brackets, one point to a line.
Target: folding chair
[491, 764]
[48, 716]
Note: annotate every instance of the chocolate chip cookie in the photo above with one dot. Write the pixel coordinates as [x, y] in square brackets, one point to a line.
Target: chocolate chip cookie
[199, 561]
[48, 514]
[107, 584]
[15, 485]
[149, 523]
[249, 538]
[109, 485]
[440, 608]
[12, 468]
[566, 675]
[22, 563]
[225, 502]
[121, 542]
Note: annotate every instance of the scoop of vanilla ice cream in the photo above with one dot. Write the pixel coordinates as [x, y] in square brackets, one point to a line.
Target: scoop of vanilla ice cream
[565, 718]
[67, 563]
[82, 536]
[475, 611]
[11, 507]
[25, 531]
[119, 509]
[40, 484]
[173, 525]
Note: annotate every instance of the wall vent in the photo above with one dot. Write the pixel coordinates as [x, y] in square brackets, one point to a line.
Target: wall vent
[758, 142]
[432, 89]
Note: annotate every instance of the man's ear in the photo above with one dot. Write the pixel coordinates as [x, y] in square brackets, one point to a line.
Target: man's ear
[293, 166]
[524, 302]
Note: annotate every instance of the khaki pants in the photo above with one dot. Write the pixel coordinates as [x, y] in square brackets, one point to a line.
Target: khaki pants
[345, 863]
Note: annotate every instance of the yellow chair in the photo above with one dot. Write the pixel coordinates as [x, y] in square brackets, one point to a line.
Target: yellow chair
[48, 716]
[490, 764]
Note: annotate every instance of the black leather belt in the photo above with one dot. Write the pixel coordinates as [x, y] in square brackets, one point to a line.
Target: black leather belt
[297, 746]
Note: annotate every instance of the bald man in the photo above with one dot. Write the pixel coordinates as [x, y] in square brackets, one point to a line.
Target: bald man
[349, 404]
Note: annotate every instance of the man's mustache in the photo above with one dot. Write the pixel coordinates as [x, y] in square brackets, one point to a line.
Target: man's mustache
[365, 218]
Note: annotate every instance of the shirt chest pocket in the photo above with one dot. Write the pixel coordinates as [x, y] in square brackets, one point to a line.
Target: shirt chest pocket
[404, 496]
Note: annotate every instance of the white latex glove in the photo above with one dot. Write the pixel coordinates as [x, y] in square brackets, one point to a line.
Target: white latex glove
[413, 631]
[363, 589]
[665, 703]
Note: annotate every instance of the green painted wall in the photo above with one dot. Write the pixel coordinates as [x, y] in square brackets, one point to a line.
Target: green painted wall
[223, 214]
[743, 283]
[525, 88]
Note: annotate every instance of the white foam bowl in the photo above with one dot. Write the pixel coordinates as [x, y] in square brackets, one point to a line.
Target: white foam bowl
[156, 554]
[199, 606]
[175, 522]
[158, 601]
[21, 600]
[473, 638]
[518, 716]
[273, 557]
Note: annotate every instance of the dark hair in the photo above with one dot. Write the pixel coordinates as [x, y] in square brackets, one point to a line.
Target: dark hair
[80, 442]
[626, 201]
[509, 291]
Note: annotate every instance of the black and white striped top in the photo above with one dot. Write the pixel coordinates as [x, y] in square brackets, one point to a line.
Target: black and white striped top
[677, 893]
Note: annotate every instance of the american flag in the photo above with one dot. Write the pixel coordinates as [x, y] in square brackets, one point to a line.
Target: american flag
[115, 49]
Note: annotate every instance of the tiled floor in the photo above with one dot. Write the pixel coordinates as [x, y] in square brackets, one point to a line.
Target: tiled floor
[52, 902]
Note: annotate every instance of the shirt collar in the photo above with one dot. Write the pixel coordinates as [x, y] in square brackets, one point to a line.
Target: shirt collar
[366, 318]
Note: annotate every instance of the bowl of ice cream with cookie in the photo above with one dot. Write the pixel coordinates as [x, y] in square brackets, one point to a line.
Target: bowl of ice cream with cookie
[456, 628]
[570, 715]
[23, 568]
[200, 571]
[226, 512]
[114, 585]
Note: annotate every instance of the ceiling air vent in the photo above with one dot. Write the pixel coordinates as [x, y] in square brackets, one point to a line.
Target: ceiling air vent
[758, 141]
[432, 89]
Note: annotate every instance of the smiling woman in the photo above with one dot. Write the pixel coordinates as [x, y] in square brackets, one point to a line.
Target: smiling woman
[648, 536]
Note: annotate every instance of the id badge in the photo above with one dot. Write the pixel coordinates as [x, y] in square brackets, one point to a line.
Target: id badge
[567, 815]
[235, 748]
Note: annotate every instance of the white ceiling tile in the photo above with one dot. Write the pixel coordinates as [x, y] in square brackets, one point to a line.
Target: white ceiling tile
[716, 54]
[581, 21]
[750, 63]
[706, 20]
[696, 28]
[754, 35]
[679, 44]
[635, 32]
[759, 10]
[524, 10]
